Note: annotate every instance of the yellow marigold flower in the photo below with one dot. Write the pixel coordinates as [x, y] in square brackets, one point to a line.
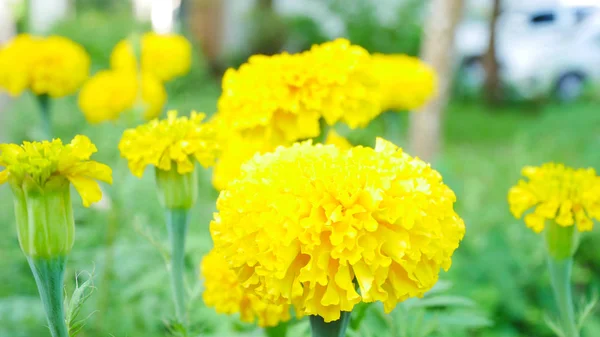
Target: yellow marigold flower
[345, 88]
[170, 143]
[108, 94]
[340, 142]
[565, 195]
[44, 163]
[303, 225]
[284, 96]
[58, 67]
[165, 56]
[14, 65]
[54, 66]
[40, 174]
[223, 291]
[407, 83]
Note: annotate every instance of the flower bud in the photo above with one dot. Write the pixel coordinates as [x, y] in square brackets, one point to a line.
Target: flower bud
[561, 242]
[175, 190]
[44, 215]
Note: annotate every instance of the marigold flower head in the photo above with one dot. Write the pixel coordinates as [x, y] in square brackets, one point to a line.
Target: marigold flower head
[54, 66]
[108, 94]
[376, 218]
[49, 162]
[223, 291]
[406, 82]
[172, 142]
[565, 195]
[284, 96]
[40, 174]
[165, 56]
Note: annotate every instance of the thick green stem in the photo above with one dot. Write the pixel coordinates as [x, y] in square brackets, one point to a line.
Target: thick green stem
[332, 329]
[49, 277]
[177, 222]
[44, 101]
[560, 275]
[277, 331]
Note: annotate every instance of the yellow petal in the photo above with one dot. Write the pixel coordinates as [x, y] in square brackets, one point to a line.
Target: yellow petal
[3, 176]
[91, 169]
[88, 189]
[82, 147]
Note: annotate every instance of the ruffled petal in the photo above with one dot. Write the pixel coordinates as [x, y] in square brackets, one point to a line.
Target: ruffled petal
[88, 189]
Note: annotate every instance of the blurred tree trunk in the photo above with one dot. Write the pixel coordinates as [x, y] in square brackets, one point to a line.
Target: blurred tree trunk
[490, 61]
[206, 19]
[437, 50]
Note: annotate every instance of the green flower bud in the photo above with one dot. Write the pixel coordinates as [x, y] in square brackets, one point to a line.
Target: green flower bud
[44, 215]
[177, 191]
[561, 242]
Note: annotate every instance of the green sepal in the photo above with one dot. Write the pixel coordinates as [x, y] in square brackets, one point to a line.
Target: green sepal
[177, 191]
[44, 216]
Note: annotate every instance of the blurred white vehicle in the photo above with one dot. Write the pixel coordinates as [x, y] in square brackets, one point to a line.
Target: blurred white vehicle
[542, 49]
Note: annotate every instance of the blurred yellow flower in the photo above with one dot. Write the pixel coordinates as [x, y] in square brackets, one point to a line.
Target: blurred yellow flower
[40, 165]
[175, 140]
[223, 291]
[406, 82]
[340, 142]
[565, 195]
[164, 56]
[54, 66]
[14, 66]
[109, 93]
[306, 224]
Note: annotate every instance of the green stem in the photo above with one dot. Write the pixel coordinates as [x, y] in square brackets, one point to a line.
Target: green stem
[49, 277]
[177, 222]
[332, 329]
[560, 276]
[277, 331]
[44, 102]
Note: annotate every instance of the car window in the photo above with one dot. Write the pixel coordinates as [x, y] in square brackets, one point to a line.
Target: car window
[582, 13]
[542, 18]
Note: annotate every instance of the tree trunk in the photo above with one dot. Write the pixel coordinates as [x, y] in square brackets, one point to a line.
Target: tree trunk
[492, 80]
[437, 50]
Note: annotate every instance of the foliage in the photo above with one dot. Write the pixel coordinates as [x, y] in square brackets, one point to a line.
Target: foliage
[500, 265]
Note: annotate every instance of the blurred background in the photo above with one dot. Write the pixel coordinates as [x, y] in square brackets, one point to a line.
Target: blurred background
[519, 85]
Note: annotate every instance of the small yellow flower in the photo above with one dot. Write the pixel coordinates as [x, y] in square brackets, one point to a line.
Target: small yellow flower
[59, 67]
[340, 142]
[306, 224]
[14, 65]
[223, 291]
[40, 174]
[172, 143]
[561, 194]
[54, 66]
[108, 94]
[406, 82]
[164, 56]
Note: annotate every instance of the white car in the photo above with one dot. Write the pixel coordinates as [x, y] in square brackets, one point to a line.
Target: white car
[542, 50]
